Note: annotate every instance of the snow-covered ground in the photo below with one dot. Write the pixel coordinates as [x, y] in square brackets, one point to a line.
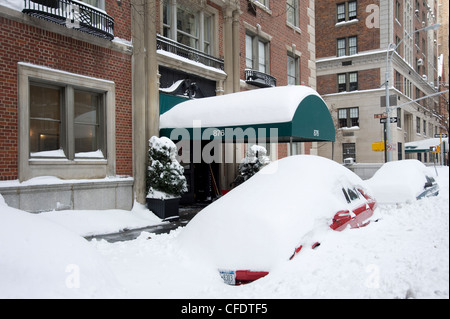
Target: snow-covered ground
[403, 255]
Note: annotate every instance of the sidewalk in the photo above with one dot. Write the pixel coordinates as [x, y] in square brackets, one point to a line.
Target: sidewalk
[186, 214]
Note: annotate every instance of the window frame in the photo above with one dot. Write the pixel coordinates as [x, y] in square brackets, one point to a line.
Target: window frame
[350, 120]
[293, 5]
[346, 15]
[296, 77]
[69, 166]
[254, 51]
[349, 85]
[169, 26]
[347, 49]
[348, 146]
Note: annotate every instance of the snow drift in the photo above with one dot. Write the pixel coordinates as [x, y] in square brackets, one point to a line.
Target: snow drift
[40, 259]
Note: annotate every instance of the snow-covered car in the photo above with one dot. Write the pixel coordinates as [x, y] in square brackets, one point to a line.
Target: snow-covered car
[402, 182]
[286, 207]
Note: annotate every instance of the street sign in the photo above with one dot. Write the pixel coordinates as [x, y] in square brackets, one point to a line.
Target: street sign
[439, 135]
[384, 120]
[380, 116]
[378, 146]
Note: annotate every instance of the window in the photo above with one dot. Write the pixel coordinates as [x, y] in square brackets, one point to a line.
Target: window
[292, 12]
[45, 119]
[399, 151]
[348, 117]
[65, 122]
[248, 52]
[293, 70]
[348, 151]
[399, 117]
[347, 81]
[397, 11]
[418, 125]
[263, 2]
[424, 128]
[68, 124]
[346, 11]
[188, 25]
[398, 81]
[341, 47]
[347, 46]
[352, 46]
[96, 3]
[256, 54]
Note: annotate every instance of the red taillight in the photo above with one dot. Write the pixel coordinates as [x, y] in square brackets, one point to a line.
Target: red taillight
[247, 276]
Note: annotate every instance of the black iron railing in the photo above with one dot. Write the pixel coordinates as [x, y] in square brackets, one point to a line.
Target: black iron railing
[260, 79]
[169, 45]
[72, 14]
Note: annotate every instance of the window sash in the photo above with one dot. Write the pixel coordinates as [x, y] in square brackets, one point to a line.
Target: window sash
[352, 45]
[262, 57]
[292, 12]
[248, 52]
[352, 13]
[341, 12]
[341, 47]
[292, 68]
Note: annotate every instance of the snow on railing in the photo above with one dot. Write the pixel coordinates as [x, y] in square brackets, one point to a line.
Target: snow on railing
[72, 14]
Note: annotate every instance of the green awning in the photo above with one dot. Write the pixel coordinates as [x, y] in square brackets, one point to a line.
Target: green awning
[281, 114]
[423, 146]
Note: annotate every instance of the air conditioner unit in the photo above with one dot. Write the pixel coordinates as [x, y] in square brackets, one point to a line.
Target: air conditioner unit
[349, 161]
[420, 62]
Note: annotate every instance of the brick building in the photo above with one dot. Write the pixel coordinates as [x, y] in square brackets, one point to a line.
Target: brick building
[352, 42]
[65, 104]
[85, 82]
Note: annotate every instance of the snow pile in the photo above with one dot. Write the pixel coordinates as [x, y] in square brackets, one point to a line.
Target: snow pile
[399, 181]
[264, 219]
[97, 222]
[40, 259]
[405, 254]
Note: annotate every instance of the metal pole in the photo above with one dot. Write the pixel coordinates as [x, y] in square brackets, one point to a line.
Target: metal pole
[387, 139]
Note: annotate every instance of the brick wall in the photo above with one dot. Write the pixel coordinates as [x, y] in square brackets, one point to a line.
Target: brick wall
[20, 42]
[275, 25]
[327, 32]
[367, 79]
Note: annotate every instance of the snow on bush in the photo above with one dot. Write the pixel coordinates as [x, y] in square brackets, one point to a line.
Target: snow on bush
[255, 160]
[165, 177]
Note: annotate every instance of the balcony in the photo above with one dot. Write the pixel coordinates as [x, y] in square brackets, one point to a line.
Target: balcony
[169, 45]
[259, 79]
[72, 14]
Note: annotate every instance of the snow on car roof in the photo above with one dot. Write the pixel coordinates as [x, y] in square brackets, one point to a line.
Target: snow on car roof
[399, 181]
[261, 221]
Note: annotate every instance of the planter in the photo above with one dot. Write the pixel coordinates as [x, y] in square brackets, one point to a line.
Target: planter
[164, 208]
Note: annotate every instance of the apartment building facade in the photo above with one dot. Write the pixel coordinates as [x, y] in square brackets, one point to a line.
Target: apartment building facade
[65, 104]
[86, 82]
[353, 41]
[210, 48]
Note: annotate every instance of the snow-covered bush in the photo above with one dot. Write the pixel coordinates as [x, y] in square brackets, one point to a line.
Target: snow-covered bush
[165, 177]
[255, 160]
